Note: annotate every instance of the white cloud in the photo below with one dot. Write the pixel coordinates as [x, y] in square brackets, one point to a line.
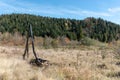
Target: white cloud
[80, 12]
[4, 7]
[96, 13]
[114, 10]
[68, 12]
[32, 8]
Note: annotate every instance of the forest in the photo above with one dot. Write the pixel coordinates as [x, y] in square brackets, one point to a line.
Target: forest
[95, 28]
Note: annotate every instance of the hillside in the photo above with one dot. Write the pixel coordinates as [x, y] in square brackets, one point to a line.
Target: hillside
[67, 59]
[98, 29]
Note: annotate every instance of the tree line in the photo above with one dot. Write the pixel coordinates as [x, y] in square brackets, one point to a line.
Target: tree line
[99, 29]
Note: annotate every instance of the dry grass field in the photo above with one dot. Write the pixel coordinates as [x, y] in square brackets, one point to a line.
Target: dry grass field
[65, 64]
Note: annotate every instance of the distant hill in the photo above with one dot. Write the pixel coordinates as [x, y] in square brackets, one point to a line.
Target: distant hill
[98, 29]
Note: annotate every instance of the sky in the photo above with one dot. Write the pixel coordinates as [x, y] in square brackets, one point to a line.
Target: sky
[74, 9]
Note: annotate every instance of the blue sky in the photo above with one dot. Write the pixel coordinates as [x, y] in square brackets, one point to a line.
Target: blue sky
[77, 9]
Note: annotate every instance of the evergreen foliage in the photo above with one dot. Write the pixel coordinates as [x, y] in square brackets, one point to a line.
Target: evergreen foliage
[98, 29]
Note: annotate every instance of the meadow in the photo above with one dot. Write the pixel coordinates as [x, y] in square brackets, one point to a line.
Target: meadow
[65, 63]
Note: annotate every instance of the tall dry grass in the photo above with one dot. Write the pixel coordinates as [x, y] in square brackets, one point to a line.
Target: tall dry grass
[17, 69]
[12, 39]
[67, 63]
